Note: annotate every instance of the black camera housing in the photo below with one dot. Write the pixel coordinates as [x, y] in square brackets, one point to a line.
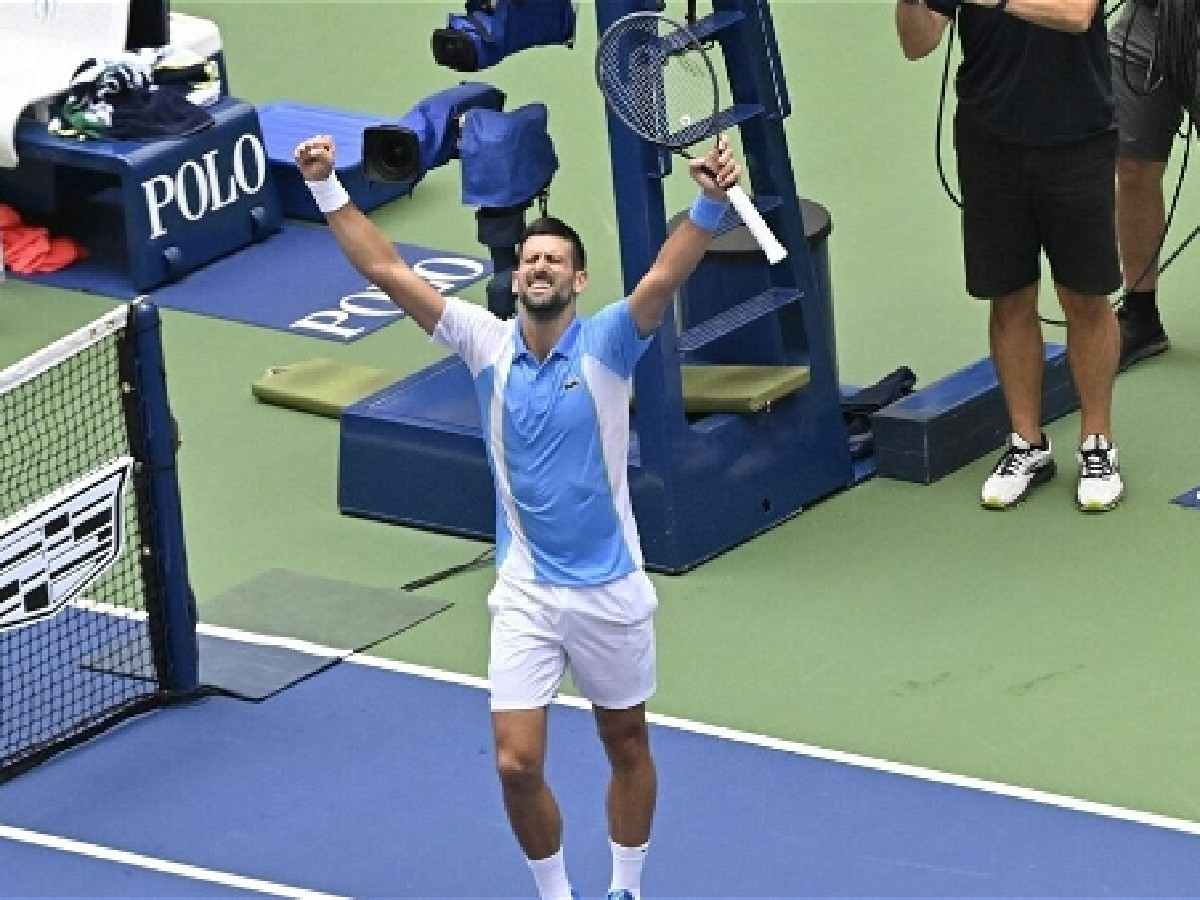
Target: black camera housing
[391, 153]
[454, 50]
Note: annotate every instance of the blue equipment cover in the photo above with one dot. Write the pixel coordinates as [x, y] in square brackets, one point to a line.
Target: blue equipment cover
[507, 158]
[432, 120]
[497, 28]
[284, 125]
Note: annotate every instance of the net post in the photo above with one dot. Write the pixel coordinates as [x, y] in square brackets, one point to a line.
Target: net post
[170, 558]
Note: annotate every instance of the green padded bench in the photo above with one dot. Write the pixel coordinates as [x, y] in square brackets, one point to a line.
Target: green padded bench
[326, 387]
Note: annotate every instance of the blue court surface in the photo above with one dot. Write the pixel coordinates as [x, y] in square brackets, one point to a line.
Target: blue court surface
[376, 779]
[296, 281]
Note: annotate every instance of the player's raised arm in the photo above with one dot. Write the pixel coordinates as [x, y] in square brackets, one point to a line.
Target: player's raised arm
[683, 250]
[368, 249]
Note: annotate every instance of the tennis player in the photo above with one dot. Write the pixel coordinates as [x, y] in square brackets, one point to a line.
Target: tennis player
[554, 392]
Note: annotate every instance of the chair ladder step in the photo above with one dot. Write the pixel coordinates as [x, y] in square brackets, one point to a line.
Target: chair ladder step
[736, 317]
[703, 29]
[711, 25]
[739, 113]
[691, 133]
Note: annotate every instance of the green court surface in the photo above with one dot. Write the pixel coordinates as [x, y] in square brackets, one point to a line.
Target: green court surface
[1036, 647]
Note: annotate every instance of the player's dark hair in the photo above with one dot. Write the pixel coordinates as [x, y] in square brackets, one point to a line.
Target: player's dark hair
[548, 225]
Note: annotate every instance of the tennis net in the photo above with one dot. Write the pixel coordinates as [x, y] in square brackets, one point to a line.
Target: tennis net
[81, 572]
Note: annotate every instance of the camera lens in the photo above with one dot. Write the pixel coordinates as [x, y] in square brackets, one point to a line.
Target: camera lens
[391, 153]
[400, 157]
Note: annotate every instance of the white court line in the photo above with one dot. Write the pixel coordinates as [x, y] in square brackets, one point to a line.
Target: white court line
[231, 634]
[851, 759]
[183, 870]
[267, 640]
[95, 851]
[1031, 795]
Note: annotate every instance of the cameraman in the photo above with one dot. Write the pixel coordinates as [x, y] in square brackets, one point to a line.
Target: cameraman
[1149, 115]
[1037, 145]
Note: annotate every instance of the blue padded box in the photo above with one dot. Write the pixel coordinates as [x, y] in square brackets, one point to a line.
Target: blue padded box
[180, 202]
[284, 125]
[957, 419]
[425, 430]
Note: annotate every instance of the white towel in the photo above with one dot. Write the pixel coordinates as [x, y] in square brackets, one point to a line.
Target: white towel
[41, 44]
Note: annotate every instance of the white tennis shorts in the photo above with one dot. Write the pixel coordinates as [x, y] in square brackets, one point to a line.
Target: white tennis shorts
[604, 633]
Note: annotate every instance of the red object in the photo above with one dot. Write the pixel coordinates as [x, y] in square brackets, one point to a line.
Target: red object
[8, 216]
[29, 250]
[62, 252]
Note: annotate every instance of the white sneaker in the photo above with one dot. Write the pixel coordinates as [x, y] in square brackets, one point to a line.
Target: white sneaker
[1100, 485]
[1020, 469]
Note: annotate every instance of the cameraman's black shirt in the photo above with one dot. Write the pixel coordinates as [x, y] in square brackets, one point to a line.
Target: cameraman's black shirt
[1033, 85]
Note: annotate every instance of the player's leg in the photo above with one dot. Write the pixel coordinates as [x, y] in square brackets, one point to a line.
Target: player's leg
[520, 761]
[525, 668]
[632, 792]
[612, 657]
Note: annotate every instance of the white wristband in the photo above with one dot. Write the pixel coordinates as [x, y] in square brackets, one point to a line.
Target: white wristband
[329, 194]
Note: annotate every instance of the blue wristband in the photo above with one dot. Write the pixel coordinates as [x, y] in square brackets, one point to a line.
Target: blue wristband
[707, 213]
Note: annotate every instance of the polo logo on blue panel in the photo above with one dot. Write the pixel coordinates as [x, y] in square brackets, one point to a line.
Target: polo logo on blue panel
[358, 312]
[51, 551]
[219, 177]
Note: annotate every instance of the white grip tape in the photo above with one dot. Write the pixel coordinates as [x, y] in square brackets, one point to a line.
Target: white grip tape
[758, 227]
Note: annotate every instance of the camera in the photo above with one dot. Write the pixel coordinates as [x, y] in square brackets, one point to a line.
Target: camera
[493, 29]
[508, 162]
[427, 136]
[391, 153]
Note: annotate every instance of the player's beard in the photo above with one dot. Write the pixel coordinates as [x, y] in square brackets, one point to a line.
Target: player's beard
[547, 307]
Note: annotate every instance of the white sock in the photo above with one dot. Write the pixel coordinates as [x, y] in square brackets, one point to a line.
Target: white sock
[627, 868]
[551, 876]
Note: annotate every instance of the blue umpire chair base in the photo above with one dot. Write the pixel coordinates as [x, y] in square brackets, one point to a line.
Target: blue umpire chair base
[425, 431]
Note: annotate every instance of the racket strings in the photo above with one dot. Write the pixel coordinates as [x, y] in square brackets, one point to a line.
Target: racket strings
[661, 85]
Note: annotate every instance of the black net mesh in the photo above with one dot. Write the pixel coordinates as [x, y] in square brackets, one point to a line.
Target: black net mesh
[70, 502]
[658, 80]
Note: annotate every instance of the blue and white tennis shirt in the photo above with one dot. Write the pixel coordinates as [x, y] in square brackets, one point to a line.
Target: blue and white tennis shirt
[557, 438]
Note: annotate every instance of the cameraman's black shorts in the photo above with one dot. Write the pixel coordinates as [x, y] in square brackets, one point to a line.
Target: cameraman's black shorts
[1020, 200]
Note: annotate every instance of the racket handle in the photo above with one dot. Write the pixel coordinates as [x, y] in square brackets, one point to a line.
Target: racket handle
[758, 227]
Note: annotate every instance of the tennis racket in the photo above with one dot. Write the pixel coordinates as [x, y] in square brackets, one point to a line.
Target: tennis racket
[658, 80]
